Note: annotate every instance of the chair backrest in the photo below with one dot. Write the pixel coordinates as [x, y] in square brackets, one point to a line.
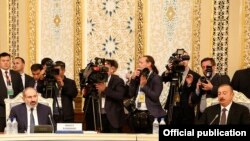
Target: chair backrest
[9, 103]
[239, 98]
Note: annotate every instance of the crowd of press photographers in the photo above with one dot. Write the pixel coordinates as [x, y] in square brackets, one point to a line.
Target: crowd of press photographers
[113, 106]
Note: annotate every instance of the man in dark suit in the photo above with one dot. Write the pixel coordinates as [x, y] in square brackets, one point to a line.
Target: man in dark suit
[8, 79]
[112, 93]
[18, 66]
[146, 87]
[22, 112]
[226, 112]
[240, 81]
[208, 87]
[67, 92]
[180, 107]
[37, 76]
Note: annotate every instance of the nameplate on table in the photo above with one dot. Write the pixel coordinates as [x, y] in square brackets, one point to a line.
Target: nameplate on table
[69, 128]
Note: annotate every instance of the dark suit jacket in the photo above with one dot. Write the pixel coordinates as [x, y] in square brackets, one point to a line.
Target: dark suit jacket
[20, 113]
[17, 88]
[114, 101]
[29, 81]
[183, 113]
[240, 81]
[238, 114]
[68, 93]
[152, 91]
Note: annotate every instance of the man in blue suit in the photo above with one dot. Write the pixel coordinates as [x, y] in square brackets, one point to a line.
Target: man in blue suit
[22, 112]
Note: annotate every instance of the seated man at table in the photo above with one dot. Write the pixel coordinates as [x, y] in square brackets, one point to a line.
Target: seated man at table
[30, 113]
[227, 111]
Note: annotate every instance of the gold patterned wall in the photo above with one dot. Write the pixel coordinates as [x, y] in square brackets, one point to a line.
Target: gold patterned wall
[170, 28]
[56, 39]
[246, 34]
[111, 32]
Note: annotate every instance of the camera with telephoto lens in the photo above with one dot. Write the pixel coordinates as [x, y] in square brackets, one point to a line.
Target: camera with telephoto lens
[208, 75]
[144, 72]
[51, 71]
[175, 60]
[95, 72]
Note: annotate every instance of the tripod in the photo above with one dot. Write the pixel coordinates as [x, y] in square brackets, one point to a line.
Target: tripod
[51, 91]
[174, 95]
[92, 109]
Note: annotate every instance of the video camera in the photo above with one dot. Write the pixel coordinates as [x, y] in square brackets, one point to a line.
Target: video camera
[51, 71]
[175, 60]
[94, 73]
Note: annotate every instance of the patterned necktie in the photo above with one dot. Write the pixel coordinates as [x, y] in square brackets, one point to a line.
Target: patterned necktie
[7, 78]
[32, 121]
[223, 117]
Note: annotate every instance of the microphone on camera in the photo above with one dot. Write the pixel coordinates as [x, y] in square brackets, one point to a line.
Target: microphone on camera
[216, 116]
[51, 122]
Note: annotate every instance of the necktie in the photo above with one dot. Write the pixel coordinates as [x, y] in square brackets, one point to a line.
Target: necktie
[223, 117]
[32, 121]
[35, 86]
[7, 78]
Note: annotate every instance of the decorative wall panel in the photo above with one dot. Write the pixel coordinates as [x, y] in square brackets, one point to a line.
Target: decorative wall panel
[13, 7]
[196, 35]
[170, 28]
[220, 34]
[111, 32]
[57, 35]
[32, 26]
[246, 34]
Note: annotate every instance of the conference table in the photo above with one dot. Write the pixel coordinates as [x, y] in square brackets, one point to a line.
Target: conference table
[82, 137]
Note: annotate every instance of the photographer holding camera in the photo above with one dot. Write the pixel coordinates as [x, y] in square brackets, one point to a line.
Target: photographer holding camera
[146, 86]
[67, 91]
[207, 86]
[180, 105]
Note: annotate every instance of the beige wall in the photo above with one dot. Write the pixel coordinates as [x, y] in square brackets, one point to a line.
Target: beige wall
[235, 37]
[3, 26]
[234, 47]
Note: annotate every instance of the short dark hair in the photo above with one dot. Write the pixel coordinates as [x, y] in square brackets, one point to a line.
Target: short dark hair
[20, 59]
[4, 54]
[36, 67]
[112, 63]
[209, 59]
[45, 60]
[60, 63]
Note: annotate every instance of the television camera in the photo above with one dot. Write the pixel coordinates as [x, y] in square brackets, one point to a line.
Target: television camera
[95, 72]
[175, 60]
[50, 71]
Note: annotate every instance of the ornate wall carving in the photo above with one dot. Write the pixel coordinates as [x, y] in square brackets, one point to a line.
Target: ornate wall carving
[220, 34]
[57, 34]
[246, 34]
[32, 26]
[196, 35]
[111, 32]
[13, 27]
[170, 28]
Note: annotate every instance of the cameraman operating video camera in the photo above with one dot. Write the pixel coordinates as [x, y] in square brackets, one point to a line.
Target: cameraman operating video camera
[99, 83]
[180, 105]
[207, 86]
